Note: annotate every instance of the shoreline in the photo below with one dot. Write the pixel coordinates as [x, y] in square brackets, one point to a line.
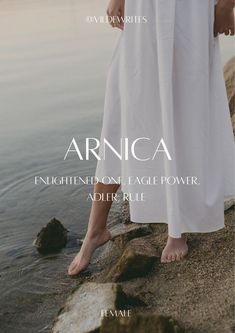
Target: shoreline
[196, 293]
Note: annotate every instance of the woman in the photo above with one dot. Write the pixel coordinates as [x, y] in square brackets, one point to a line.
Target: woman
[165, 81]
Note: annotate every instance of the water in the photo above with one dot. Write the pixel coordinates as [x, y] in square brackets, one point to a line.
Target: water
[52, 67]
[52, 78]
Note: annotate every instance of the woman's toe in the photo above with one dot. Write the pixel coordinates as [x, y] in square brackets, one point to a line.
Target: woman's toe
[70, 271]
[178, 256]
[73, 271]
[163, 258]
[168, 258]
[72, 268]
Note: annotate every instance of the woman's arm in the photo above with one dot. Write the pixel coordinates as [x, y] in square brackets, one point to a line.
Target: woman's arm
[224, 18]
[115, 12]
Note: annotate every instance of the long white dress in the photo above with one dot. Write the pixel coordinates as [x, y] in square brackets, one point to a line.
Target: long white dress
[165, 80]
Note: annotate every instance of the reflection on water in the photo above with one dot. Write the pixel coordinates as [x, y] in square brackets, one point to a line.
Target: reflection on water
[52, 77]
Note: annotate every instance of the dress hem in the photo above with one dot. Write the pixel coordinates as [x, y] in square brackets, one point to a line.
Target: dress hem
[182, 232]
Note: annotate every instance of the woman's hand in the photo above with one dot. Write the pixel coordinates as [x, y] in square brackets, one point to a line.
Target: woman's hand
[224, 18]
[115, 12]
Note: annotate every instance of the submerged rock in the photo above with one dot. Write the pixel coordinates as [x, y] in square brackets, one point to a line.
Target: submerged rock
[140, 323]
[83, 310]
[51, 238]
[136, 260]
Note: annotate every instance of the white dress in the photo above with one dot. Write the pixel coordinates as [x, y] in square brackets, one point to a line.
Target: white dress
[165, 80]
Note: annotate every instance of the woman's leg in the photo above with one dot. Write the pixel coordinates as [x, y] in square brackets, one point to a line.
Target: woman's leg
[97, 232]
[175, 249]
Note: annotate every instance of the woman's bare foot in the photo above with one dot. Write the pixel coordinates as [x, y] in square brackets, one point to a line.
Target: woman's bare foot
[175, 249]
[91, 241]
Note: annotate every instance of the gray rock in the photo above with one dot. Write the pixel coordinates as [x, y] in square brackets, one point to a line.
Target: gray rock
[122, 233]
[108, 254]
[125, 212]
[229, 217]
[82, 311]
[229, 203]
[136, 260]
[51, 238]
[140, 323]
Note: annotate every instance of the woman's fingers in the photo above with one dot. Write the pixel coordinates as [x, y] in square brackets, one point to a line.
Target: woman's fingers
[110, 15]
[115, 19]
[112, 18]
[122, 15]
[119, 20]
[115, 13]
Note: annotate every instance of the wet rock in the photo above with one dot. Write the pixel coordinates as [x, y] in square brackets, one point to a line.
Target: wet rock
[140, 323]
[51, 238]
[74, 240]
[122, 233]
[82, 312]
[126, 300]
[136, 260]
[229, 76]
[108, 254]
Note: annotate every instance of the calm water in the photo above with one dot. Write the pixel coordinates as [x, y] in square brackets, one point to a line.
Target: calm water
[52, 77]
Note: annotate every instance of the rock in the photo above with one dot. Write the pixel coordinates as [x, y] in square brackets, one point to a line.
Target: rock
[122, 233]
[82, 311]
[136, 260]
[73, 242]
[229, 76]
[230, 217]
[125, 212]
[51, 238]
[140, 323]
[229, 203]
[107, 254]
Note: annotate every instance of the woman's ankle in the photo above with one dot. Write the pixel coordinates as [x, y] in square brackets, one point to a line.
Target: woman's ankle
[183, 237]
[96, 232]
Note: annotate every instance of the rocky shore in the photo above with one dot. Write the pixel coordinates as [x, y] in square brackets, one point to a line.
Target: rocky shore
[195, 295]
[131, 291]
